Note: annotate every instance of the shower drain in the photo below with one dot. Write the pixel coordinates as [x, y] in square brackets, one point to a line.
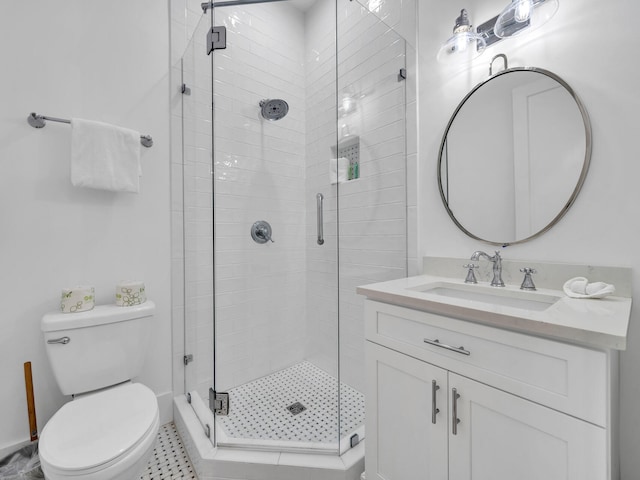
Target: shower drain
[296, 408]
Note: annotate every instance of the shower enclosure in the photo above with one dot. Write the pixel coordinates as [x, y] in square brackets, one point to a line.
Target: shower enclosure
[296, 130]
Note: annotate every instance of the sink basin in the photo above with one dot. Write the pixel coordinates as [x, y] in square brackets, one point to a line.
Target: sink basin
[521, 299]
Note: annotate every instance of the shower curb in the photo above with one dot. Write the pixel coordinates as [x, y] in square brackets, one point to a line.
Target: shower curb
[231, 464]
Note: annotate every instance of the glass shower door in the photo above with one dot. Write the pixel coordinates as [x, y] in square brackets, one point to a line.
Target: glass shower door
[196, 200]
[375, 74]
[276, 295]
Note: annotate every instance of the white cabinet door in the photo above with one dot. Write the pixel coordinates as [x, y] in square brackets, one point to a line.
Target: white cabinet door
[504, 437]
[403, 443]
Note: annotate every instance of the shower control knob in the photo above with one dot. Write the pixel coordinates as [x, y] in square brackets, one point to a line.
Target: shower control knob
[261, 232]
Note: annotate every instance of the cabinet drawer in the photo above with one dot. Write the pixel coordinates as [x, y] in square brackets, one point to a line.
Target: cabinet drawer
[568, 378]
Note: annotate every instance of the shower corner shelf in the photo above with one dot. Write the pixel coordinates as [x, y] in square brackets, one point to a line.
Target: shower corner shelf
[348, 142]
[349, 147]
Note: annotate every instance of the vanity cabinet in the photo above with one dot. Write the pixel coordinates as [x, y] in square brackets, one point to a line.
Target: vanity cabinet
[482, 403]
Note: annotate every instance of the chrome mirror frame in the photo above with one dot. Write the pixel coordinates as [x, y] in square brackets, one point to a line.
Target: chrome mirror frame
[583, 173]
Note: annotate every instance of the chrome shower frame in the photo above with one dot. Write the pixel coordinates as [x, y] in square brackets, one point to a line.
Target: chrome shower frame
[230, 3]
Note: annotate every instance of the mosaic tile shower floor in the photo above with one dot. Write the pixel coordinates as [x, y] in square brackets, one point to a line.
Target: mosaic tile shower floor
[259, 409]
[169, 460]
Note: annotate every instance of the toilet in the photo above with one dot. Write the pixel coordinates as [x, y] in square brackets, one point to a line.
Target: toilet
[108, 431]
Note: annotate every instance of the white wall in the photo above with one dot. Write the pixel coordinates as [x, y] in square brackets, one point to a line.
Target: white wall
[602, 226]
[98, 60]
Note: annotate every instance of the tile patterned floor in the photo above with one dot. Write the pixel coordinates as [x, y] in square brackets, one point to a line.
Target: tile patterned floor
[259, 409]
[169, 460]
[252, 417]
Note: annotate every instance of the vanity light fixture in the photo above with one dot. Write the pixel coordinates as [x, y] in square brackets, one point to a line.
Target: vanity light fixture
[464, 45]
[524, 15]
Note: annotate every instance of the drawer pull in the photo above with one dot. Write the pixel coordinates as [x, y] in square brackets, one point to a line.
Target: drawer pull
[434, 409]
[454, 416]
[436, 343]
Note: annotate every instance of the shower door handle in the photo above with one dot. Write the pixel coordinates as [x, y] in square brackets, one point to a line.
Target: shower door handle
[320, 200]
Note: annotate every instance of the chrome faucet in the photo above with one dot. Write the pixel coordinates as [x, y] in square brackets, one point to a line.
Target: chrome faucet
[497, 266]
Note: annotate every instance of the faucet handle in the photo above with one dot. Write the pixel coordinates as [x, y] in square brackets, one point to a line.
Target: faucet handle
[471, 276]
[527, 282]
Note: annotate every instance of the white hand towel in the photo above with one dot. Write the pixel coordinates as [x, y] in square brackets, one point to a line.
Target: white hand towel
[579, 287]
[104, 156]
[338, 170]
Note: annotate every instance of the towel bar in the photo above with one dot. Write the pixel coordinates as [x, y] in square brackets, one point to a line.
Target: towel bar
[39, 121]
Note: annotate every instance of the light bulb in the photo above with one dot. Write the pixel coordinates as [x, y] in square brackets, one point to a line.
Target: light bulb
[461, 42]
[464, 45]
[522, 11]
[524, 16]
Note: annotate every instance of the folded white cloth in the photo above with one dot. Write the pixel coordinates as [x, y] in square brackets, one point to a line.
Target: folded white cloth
[105, 156]
[338, 170]
[579, 287]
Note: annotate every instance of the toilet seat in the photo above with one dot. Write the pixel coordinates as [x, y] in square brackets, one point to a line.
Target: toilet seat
[98, 431]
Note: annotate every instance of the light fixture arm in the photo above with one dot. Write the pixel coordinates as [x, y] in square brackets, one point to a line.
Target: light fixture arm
[524, 15]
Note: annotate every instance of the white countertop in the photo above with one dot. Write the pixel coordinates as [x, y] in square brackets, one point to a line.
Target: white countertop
[601, 323]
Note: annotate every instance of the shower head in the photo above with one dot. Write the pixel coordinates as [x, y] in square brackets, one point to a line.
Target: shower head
[273, 109]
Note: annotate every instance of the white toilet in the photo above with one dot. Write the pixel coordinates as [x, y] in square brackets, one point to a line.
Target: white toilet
[109, 429]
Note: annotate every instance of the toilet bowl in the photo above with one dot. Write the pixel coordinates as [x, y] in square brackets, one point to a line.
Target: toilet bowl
[108, 431]
[101, 436]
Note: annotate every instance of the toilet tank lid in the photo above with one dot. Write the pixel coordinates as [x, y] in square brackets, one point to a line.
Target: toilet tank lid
[100, 315]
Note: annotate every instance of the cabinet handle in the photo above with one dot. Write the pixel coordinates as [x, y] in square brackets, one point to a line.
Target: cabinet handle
[436, 343]
[434, 409]
[454, 416]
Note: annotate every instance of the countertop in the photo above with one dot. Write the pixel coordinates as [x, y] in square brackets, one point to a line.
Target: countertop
[601, 323]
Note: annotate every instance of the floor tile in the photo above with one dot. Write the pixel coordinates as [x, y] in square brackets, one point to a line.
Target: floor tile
[169, 460]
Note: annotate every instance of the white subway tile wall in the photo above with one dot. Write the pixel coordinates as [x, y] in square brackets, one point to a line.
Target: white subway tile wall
[370, 212]
[321, 346]
[259, 175]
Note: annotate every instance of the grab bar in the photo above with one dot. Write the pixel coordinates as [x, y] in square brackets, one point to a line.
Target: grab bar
[39, 121]
[320, 198]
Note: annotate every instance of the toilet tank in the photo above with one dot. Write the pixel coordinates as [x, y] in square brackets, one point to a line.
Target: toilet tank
[98, 348]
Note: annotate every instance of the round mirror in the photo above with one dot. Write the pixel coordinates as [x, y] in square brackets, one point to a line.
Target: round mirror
[514, 156]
